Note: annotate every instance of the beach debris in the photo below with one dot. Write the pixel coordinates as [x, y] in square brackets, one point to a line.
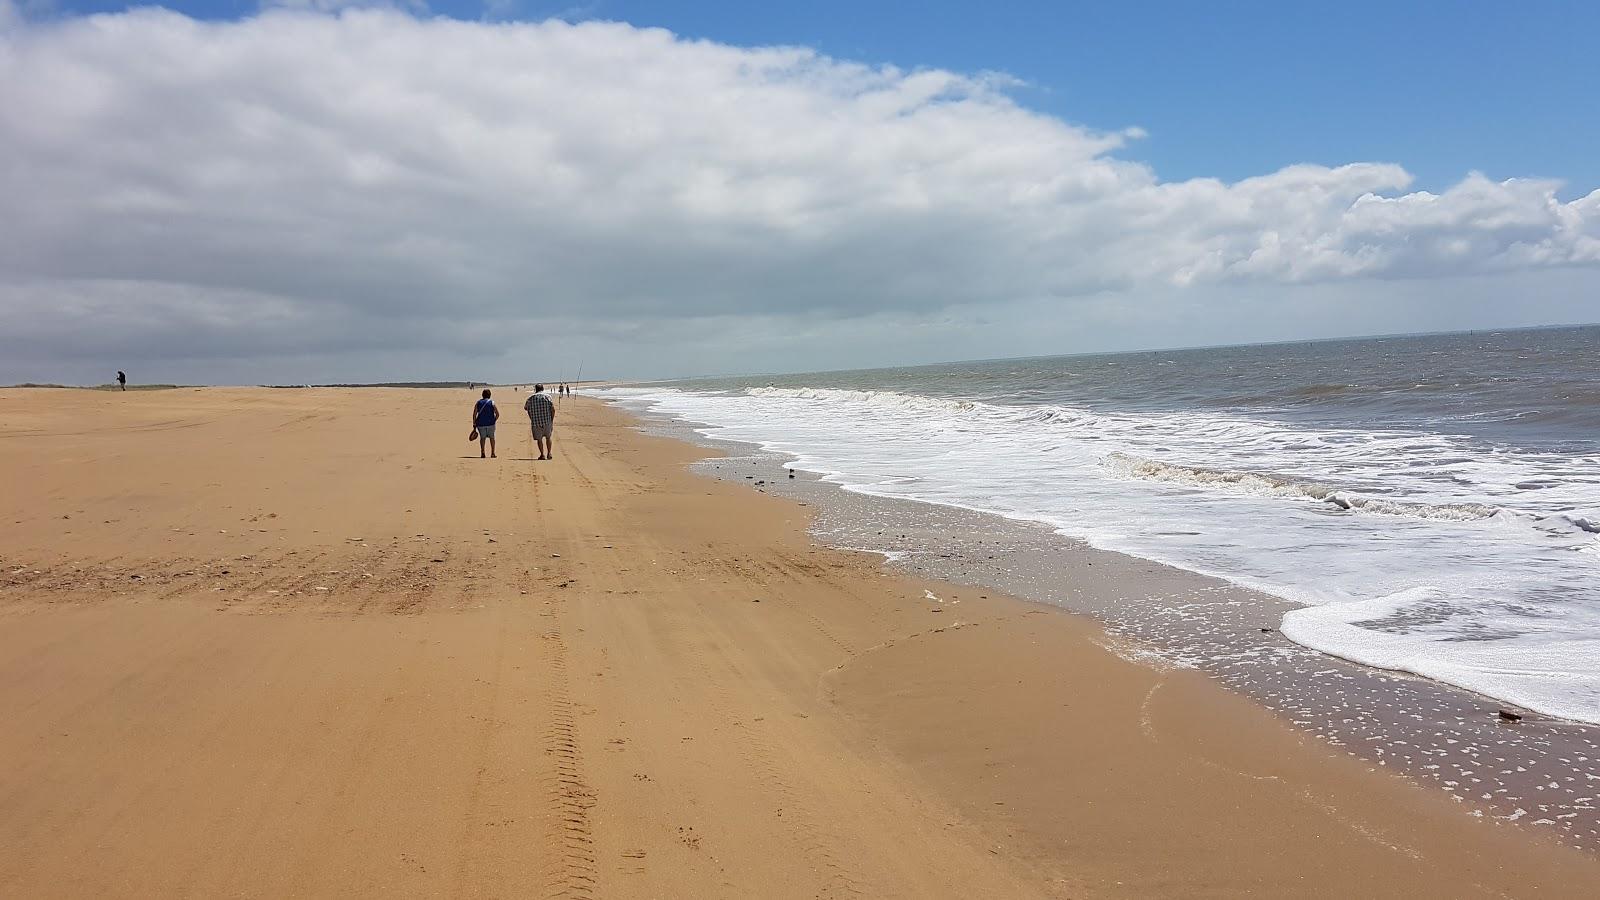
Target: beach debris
[555, 556]
[1509, 716]
[1266, 631]
[755, 600]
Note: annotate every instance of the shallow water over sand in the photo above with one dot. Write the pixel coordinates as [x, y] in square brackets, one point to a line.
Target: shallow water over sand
[1460, 546]
[1541, 773]
[1429, 504]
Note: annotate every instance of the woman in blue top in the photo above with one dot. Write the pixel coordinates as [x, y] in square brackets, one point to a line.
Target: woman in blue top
[484, 415]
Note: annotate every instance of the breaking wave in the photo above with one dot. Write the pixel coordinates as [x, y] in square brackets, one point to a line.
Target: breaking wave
[1451, 538]
[1265, 484]
[892, 399]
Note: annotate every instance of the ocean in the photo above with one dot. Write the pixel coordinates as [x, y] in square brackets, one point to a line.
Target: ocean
[1430, 504]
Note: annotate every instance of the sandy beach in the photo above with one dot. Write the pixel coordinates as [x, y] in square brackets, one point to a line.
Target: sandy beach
[274, 643]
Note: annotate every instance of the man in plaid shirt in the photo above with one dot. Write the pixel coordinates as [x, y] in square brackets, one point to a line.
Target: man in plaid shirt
[542, 412]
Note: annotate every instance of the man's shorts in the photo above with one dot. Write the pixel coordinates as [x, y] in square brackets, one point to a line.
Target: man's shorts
[485, 431]
[543, 431]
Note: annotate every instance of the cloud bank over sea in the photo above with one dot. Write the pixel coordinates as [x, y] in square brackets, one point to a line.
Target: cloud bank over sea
[346, 192]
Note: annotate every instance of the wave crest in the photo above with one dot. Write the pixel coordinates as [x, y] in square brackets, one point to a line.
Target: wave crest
[1266, 484]
[885, 398]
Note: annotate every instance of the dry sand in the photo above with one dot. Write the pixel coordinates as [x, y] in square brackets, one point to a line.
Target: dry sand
[306, 643]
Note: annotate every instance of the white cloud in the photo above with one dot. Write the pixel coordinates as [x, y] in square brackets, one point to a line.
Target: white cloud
[300, 183]
[333, 6]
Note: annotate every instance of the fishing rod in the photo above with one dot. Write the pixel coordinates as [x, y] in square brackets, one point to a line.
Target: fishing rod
[561, 395]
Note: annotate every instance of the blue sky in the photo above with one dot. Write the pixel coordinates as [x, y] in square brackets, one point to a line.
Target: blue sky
[449, 193]
[1225, 89]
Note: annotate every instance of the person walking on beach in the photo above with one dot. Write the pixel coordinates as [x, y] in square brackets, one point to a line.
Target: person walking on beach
[542, 415]
[122, 379]
[484, 415]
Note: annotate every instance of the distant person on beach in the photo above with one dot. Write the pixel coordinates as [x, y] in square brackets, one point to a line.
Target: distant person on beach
[122, 379]
[542, 414]
[484, 415]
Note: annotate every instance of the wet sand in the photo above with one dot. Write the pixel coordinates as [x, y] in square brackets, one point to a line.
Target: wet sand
[304, 642]
[1538, 772]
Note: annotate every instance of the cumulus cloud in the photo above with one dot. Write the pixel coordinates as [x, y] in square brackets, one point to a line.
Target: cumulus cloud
[333, 6]
[302, 182]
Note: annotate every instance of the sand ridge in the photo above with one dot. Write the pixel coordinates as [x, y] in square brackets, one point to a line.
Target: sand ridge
[306, 643]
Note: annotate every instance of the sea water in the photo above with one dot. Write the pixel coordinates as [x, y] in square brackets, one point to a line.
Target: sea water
[1432, 503]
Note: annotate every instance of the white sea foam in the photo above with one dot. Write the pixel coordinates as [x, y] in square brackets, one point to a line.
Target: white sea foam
[1412, 551]
[1263, 484]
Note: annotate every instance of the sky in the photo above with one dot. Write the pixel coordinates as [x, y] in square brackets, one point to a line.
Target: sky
[313, 190]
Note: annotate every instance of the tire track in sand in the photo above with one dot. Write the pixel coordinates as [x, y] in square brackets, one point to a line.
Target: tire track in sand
[571, 871]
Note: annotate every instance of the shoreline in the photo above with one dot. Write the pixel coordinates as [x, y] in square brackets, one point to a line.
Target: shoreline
[1440, 544]
[1541, 772]
[330, 655]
